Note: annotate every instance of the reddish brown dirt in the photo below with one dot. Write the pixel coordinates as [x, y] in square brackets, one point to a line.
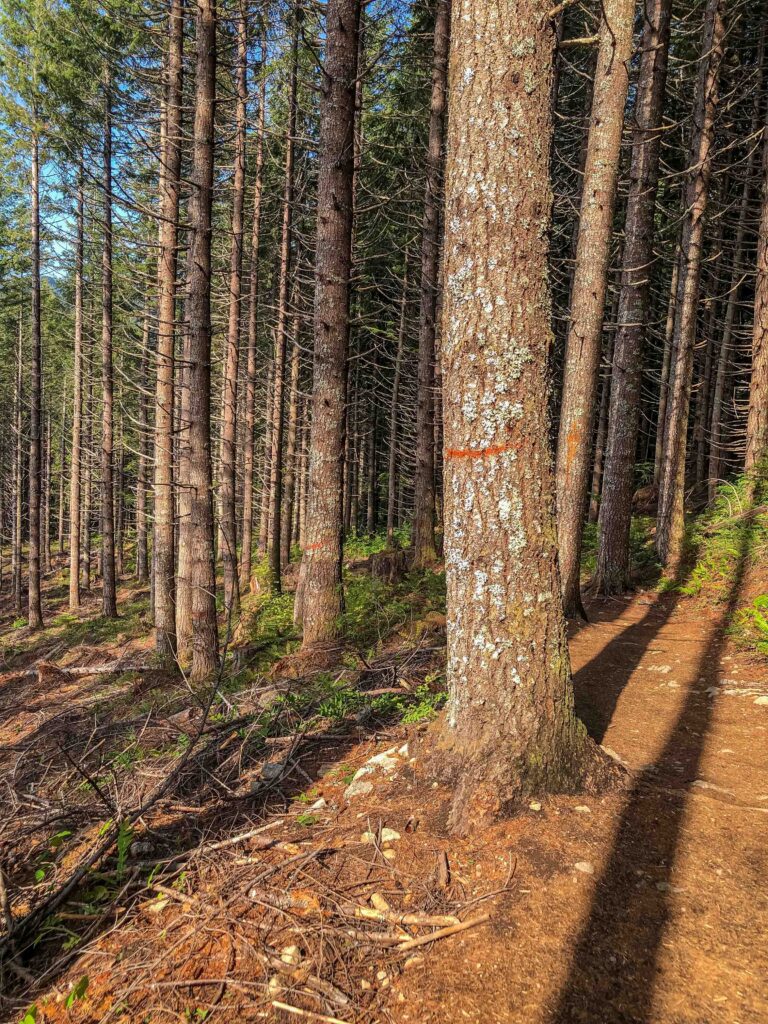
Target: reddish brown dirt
[663, 922]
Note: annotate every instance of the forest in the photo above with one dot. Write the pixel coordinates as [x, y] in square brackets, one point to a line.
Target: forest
[384, 511]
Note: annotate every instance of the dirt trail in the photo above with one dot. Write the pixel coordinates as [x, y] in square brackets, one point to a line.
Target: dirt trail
[648, 906]
[671, 925]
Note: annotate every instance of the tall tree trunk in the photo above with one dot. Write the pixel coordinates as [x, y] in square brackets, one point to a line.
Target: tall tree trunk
[35, 608]
[142, 552]
[47, 486]
[394, 412]
[18, 477]
[510, 727]
[266, 467]
[62, 474]
[666, 367]
[89, 463]
[108, 570]
[612, 572]
[228, 475]
[163, 546]
[289, 487]
[670, 528]
[716, 425]
[281, 329]
[757, 420]
[246, 555]
[582, 356]
[321, 598]
[424, 550]
[197, 529]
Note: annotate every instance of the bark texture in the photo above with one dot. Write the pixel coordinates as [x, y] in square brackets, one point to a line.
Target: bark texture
[757, 421]
[197, 529]
[75, 472]
[424, 550]
[670, 528]
[612, 573]
[582, 356]
[321, 592]
[34, 604]
[510, 727]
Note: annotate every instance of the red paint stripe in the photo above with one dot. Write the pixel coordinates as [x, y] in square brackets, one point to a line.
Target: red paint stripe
[478, 453]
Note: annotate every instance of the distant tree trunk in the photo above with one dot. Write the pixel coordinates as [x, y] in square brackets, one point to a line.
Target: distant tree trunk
[595, 491]
[246, 555]
[613, 568]
[757, 421]
[665, 371]
[142, 552]
[289, 487]
[62, 474]
[228, 475]
[47, 485]
[394, 413]
[510, 728]
[35, 608]
[89, 462]
[18, 478]
[321, 598]
[163, 545]
[424, 550]
[108, 570]
[716, 424]
[281, 329]
[582, 357]
[670, 527]
[197, 529]
[266, 467]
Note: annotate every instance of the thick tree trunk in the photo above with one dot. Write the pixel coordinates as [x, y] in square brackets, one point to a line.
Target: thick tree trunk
[163, 545]
[108, 570]
[321, 598]
[281, 331]
[228, 476]
[197, 529]
[246, 554]
[612, 572]
[757, 421]
[582, 357]
[266, 468]
[88, 465]
[670, 529]
[510, 728]
[424, 550]
[34, 602]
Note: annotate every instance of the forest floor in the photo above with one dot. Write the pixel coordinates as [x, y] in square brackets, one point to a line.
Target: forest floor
[267, 882]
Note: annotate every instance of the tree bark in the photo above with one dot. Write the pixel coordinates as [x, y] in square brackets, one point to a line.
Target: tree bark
[289, 487]
[163, 545]
[281, 329]
[394, 413]
[246, 554]
[227, 476]
[34, 602]
[666, 367]
[18, 480]
[424, 550]
[670, 527]
[62, 474]
[757, 420]
[321, 598]
[108, 571]
[582, 357]
[510, 728]
[197, 529]
[613, 568]
[142, 549]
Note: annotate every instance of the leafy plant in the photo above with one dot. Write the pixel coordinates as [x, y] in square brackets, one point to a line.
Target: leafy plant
[306, 819]
[78, 991]
[124, 840]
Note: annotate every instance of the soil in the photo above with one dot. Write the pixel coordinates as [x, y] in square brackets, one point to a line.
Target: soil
[643, 906]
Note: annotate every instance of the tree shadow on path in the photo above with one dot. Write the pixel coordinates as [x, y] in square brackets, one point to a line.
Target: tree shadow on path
[616, 958]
